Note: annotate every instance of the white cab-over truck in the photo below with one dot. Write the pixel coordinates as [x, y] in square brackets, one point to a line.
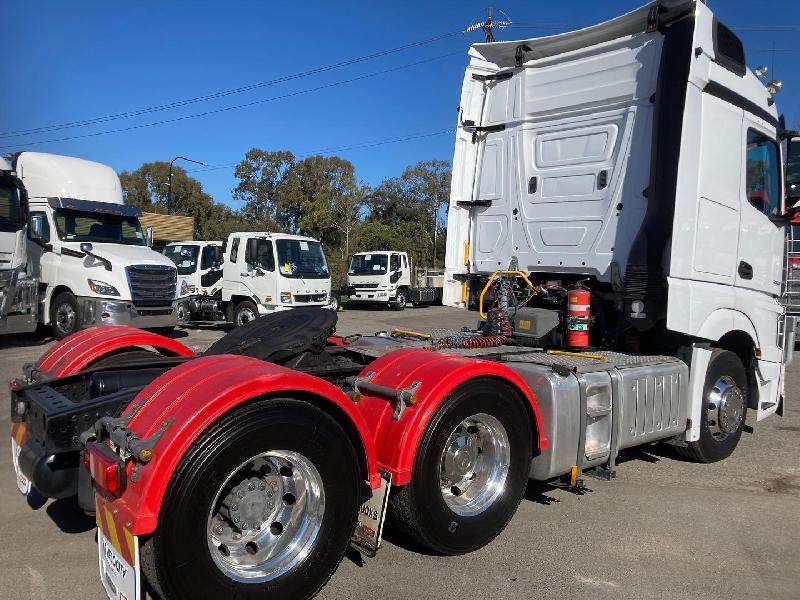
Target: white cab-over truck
[265, 272]
[199, 265]
[384, 277]
[84, 247]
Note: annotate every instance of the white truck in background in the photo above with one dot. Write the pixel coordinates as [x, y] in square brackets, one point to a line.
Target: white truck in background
[264, 272]
[384, 277]
[83, 247]
[199, 265]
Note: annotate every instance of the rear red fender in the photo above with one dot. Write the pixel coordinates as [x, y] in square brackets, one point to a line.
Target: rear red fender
[79, 350]
[192, 396]
[438, 375]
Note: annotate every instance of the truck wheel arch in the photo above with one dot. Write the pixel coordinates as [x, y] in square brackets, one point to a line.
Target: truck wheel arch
[51, 293]
[85, 347]
[186, 401]
[397, 441]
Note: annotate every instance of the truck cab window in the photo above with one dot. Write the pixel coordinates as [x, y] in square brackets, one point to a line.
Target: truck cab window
[184, 257]
[210, 257]
[76, 226]
[10, 209]
[394, 263]
[38, 220]
[793, 172]
[405, 262]
[261, 255]
[763, 178]
[235, 250]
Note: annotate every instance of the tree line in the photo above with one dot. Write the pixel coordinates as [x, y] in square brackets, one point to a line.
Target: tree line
[318, 196]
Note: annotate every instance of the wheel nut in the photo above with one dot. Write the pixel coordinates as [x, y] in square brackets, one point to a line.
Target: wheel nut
[235, 506]
[236, 519]
[218, 529]
[271, 505]
[245, 525]
[240, 493]
[251, 486]
[262, 486]
[269, 494]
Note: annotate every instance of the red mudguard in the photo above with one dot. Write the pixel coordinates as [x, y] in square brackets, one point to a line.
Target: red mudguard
[438, 374]
[79, 350]
[189, 398]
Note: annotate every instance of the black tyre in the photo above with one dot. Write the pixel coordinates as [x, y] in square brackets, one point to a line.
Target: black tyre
[335, 303]
[262, 506]
[183, 313]
[244, 313]
[126, 357]
[470, 470]
[722, 417]
[401, 299]
[65, 316]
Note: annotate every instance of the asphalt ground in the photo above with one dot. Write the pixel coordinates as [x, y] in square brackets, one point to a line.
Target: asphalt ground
[664, 528]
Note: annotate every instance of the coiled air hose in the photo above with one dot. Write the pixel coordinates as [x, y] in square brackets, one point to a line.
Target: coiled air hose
[496, 331]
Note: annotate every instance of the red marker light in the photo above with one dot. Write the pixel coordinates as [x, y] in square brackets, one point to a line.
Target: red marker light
[108, 471]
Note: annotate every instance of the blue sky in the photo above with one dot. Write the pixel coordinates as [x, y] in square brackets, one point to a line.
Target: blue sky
[67, 61]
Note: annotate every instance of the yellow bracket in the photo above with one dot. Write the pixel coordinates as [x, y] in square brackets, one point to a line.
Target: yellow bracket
[576, 354]
[414, 334]
[489, 284]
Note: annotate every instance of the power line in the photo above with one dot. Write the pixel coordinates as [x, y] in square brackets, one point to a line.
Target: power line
[227, 92]
[237, 106]
[332, 149]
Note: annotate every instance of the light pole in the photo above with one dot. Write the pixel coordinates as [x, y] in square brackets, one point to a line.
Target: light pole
[169, 180]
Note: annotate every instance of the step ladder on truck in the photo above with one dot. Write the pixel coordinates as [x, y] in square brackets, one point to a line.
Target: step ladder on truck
[592, 175]
[791, 278]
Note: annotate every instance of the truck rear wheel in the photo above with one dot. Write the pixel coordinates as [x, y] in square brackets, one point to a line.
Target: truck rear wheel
[65, 316]
[470, 470]
[262, 506]
[724, 409]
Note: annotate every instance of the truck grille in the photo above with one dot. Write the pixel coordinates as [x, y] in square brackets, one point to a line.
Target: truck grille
[310, 297]
[152, 285]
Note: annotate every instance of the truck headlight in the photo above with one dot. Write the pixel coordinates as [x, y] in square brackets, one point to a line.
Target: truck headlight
[102, 288]
[184, 288]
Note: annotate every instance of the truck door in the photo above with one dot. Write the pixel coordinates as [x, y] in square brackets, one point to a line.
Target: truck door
[761, 237]
[259, 264]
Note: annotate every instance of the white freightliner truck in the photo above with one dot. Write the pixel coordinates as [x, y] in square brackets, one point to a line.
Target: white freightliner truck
[629, 175]
[84, 248]
[199, 265]
[384, 277]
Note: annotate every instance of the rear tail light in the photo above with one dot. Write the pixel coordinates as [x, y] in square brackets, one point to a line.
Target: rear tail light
[107, 469]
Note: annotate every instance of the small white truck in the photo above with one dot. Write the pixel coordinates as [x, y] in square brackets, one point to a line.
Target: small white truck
[384, 277]
[265, 272]
[73, 254]
[199, 265]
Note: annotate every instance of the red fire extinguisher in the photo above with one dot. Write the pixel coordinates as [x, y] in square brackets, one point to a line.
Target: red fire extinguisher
[578, 300]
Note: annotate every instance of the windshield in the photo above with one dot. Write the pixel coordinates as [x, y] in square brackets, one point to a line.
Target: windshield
[10, 213]
[76, 226]
[301, 258]
[184, 257]
[367, 264]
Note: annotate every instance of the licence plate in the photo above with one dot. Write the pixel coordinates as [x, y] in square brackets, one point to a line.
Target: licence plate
[371, 516]
[118, 554]
[18, 431]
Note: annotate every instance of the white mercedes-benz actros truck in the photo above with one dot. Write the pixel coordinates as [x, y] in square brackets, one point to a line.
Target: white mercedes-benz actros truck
[73, 254]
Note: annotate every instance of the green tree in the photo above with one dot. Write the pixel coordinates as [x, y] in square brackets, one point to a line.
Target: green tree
[147, 188]
[261, 174]
[324, 191]
[419, 195]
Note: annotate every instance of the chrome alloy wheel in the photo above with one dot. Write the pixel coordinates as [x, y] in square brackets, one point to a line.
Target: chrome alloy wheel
[725, 407]
[266, 516]
[245, 316]
[474, 465]
[65, 317]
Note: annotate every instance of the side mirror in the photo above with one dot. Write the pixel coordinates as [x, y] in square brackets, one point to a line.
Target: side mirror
[37, 230]
[148, 237]
[86, 247]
